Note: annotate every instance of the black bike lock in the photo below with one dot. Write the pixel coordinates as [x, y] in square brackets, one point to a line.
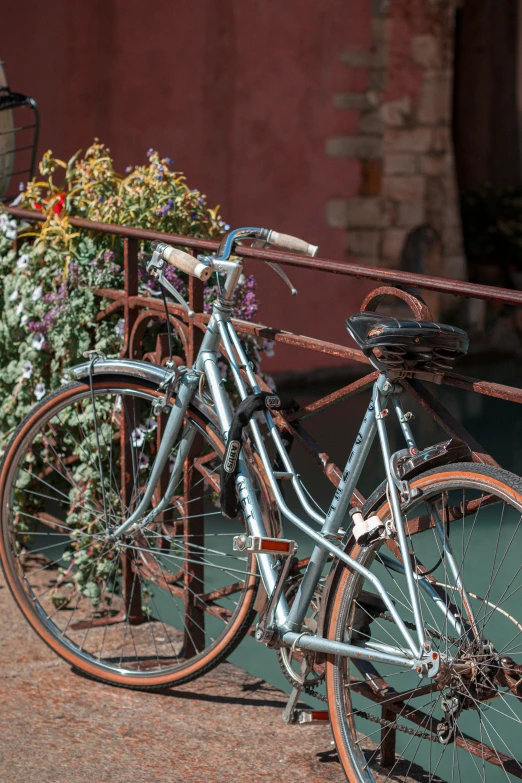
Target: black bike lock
[245, 410]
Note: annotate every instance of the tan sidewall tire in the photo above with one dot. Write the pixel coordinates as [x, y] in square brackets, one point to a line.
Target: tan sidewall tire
[422, 481]
[200, 665]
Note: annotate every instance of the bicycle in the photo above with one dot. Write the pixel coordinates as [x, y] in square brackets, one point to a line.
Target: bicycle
[115, 546]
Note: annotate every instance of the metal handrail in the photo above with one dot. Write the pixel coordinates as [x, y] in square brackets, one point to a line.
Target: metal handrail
[398, 277]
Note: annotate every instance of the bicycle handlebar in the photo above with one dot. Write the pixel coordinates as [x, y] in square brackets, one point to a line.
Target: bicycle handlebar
[182, 261]
[288, 242]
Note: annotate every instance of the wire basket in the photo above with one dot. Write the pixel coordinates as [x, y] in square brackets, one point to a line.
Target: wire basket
[19, 127]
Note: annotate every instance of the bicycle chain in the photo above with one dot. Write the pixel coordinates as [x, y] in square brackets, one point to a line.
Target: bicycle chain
[390, 724]
[387, 724]
[413, 627]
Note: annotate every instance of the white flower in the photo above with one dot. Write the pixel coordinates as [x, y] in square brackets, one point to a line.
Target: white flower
[37, 293]
[137, 437]
[10, 230]
[39, 391]
[120, 328]
[149, 426]
[223, 369]
[23, 319]
[64, 379]
[38, 340]
[23, 261]
[27, 369]
[20, 308]
[14, 296]
[144, 462]
[268, 348]
[4, 220]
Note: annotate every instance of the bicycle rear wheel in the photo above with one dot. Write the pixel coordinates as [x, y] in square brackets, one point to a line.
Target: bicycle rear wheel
[159, 608]
[466, 723]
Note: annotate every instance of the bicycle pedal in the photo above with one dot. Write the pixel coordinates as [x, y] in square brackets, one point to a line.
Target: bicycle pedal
[259, 545]
[309, 717]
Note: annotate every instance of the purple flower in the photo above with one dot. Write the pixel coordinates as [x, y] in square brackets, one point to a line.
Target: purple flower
[73, 272]
[169, 161]
[21, 186]
[100, 199]
[150, 152]
[39, 391]
[56, 297]
[159, 176]
[128, 169]
[108, 256]
[144, 462]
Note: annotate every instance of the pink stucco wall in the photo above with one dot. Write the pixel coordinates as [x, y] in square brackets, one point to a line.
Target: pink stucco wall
[240, 94]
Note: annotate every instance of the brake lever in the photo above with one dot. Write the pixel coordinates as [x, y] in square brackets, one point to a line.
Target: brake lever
[275, 266]
[285, 277]
[155, 268]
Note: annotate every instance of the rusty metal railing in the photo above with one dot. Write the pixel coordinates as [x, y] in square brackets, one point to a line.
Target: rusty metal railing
[138, 310]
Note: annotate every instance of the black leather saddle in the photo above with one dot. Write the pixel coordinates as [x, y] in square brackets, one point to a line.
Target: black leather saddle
[395, 345]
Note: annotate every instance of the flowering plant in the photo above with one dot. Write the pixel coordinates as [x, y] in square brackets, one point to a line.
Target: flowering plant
[49, 307]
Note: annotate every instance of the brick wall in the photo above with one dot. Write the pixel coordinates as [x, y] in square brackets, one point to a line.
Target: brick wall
[404, 136]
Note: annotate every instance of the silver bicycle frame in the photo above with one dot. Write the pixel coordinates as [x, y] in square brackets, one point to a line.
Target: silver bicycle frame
[220, 334]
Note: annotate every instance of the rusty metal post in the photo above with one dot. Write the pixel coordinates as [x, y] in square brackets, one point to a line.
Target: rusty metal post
[194, 541]
[130, 288]
[193, 504]
[131, 589]
[388, 740]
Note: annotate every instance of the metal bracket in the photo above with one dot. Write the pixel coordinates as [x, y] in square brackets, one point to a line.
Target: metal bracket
[95, 356]
[265, 632]
[162, 405]
[407, 494]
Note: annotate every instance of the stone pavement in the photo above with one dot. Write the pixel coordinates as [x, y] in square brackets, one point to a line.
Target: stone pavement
[57, 727]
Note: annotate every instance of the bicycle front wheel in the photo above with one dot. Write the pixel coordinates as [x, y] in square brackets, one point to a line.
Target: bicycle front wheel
[465, 539]
[161, 607]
